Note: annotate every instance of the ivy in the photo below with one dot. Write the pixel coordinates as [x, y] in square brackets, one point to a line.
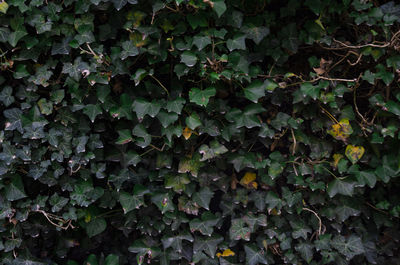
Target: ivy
[199, 132]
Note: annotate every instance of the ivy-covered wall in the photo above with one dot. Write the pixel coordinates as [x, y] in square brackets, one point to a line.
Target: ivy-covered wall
[199, 132]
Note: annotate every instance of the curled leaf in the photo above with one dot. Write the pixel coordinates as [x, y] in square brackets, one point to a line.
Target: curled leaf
[187, 132]
[248, 180]
[226, 253]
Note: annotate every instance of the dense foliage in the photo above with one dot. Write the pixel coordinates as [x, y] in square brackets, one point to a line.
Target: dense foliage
[199, 132]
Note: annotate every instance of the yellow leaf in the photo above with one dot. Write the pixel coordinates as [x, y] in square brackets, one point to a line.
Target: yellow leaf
[3, 7]
[248, 180]
[226, 253]
[88, 217]
[336, 159]
[341, 130]
[187, 132]
[354, 153]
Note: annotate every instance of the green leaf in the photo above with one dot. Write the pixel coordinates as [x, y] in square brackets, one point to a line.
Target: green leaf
[125, 137]
[255, 91]
[201, 41]
[144, 139]
[219, 7]
[128, 49]
[350, 247]
[255, 255]
[175, 105]
[300, 229]
[387, 77]
[237, 42]
[207, 244]
[190, 164]
[205, 225]
[214, 150]
[193, 121]
[119, 4]
[15, 189]
[163, 201]
[142, 108]
[239, 230]
[257, 34]
[203, 197]
[308, 89]
[306, 251]
[393, 107]
[188, 58]
[201, 97]
[177, 182]
[130, 202]
[57, 202]
[96, 226]
[92, 111]
[167, 118]
[6, 96]
[111, 259]
[343, 187]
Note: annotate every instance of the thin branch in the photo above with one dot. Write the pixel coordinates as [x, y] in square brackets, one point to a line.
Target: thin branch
[319, 219]
[158, 81]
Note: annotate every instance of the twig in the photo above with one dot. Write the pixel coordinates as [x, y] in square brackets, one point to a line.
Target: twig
[294, 142]
[158, 81]
[319, 219]
[49, 218]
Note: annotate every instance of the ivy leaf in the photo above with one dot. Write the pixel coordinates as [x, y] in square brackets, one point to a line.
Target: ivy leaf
[144, 139]
[257, 34]
[203, 197]
[254, 255]
[129, 49]
[175, 105]
[6, 96]
[130, 202]
[119, 4]
[207, 244]
[111, 259]
[246, 118]
[341, 130]
[177, 182]
[3, 7]
[18, 32]
[354, 153]
[15, 189]
[190, 164]
[188, 58]
[219, 7]
[201, 97]
[96, 226]
[163, 201]
[299, 229]
[248, 180]
[57, 202]
[239, 230]
[201, 41]
[338, 186]
[193, 121]
[349, 247]
[92, 111]
[308, 89]
[306, 251]
[237, 42]
[205, 225]
[167, 118]
[214, 150]
[142, 108]
[255, 91]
